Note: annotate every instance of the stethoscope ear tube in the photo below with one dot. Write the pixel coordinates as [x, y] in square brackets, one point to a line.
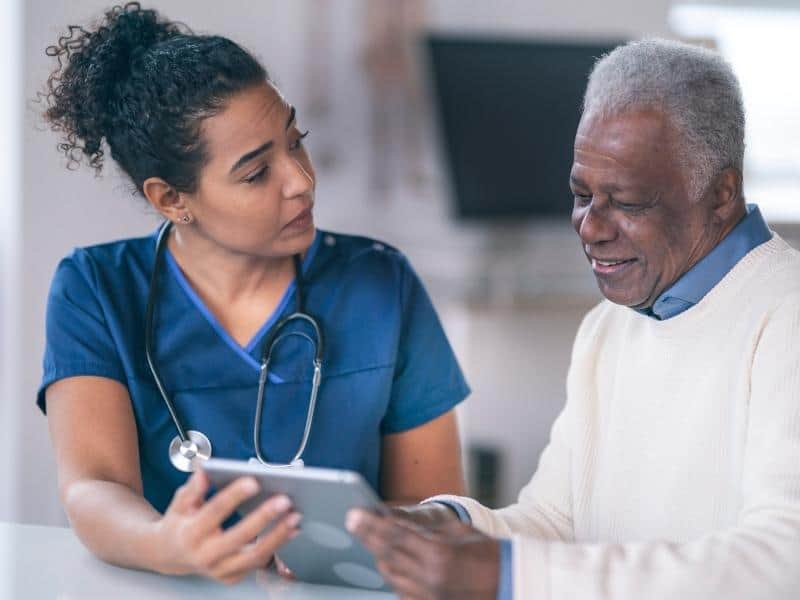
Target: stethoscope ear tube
[186, 448]
[149, 318]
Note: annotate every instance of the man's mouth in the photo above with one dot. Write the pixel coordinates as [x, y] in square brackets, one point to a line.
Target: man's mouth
[610, 266]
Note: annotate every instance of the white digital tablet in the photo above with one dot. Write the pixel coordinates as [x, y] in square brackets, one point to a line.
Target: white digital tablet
[324, 552]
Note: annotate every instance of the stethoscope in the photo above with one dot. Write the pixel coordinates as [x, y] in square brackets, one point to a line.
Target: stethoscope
[190, 447]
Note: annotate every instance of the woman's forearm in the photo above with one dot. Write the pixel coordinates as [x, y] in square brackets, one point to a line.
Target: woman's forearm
[115, 523]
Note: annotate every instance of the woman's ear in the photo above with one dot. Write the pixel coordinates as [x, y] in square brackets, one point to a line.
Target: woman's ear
[166, 200]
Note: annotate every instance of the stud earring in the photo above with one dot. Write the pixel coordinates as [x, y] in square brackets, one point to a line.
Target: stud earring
[187, 218]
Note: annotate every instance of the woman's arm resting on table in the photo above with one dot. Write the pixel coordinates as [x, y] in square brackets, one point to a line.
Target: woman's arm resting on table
[94, 436]
[422, 462]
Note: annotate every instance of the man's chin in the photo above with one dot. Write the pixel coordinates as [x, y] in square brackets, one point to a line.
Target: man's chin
[621, 296]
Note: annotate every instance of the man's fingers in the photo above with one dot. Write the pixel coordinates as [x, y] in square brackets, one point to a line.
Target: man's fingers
[400, 564]
[385, 536]
[421, 531]
[224, 502]
[248, 528]
[404, 585]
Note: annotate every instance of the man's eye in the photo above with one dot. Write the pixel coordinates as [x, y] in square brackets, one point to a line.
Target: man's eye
[582, 199]
[257, 176]
[299, 141]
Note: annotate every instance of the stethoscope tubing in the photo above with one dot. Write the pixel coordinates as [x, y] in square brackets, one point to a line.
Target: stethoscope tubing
[149, 319]
[191, 445]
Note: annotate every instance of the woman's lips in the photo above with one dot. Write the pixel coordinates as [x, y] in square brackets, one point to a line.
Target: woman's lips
[302, 221]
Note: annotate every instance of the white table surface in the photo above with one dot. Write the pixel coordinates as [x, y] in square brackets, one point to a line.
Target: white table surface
[50, 562]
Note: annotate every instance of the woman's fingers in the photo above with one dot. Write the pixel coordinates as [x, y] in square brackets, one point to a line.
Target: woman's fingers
[224, 502]
[257, 554]
[282, 569]
[191, 494]
[247, 529]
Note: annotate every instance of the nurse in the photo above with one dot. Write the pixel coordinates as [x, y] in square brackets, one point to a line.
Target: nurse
[213, 146]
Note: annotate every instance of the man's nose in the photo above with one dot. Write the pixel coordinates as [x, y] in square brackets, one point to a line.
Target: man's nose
[594, 225]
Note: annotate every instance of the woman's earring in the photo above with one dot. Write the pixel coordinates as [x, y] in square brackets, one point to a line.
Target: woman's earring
[187, 218]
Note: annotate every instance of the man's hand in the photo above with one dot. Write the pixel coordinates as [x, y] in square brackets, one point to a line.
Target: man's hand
[453, 560]
[430, 515]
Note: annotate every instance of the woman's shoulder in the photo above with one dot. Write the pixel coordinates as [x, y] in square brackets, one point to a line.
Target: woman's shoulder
[124, 258]
[345, 260]
[352, 247]
[355, 252]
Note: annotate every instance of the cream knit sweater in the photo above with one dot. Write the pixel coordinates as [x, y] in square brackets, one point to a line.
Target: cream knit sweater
[673, 471]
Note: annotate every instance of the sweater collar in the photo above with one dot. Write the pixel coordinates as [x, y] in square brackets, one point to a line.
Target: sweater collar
[693, 285]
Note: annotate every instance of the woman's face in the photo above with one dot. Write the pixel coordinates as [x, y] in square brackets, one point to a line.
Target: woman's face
[256, 192]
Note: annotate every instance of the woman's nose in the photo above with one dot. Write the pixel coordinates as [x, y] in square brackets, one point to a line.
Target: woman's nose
[299, 179]
[594, 226]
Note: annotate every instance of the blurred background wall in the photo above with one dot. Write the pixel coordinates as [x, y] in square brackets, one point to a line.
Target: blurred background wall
[511, 292]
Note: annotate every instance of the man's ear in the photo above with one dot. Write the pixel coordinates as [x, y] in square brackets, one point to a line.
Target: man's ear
[165, 199]
[726, 195]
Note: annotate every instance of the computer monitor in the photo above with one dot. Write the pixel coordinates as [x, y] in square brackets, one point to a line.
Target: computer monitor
[508, 110]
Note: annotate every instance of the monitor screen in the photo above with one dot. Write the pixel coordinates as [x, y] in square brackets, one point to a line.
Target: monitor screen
[508, 111]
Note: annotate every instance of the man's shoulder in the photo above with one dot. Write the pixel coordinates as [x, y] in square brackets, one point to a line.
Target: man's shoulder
[770, 272]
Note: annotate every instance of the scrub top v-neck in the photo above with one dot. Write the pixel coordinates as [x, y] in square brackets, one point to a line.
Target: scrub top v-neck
[388, 366]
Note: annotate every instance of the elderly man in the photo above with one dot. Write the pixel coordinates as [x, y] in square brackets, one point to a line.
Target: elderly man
[674, 469]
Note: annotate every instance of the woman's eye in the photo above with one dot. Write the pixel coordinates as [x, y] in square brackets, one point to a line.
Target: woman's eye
[299, 141]
[257, 176]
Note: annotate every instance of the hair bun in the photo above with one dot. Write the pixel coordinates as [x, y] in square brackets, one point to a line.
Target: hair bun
[93, 66]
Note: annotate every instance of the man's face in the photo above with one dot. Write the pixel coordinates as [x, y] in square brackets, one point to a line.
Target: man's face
[639, 227]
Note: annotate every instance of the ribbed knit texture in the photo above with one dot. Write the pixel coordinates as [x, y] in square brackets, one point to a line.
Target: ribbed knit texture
[673, 471]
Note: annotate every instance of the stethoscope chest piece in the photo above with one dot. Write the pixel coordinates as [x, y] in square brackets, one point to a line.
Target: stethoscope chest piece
[184, 454]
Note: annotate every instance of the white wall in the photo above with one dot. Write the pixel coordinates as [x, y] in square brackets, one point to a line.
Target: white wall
[10, 200]
[515, 359]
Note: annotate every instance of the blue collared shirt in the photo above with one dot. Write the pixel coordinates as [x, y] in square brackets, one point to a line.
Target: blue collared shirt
[690, 288]
[693, 285]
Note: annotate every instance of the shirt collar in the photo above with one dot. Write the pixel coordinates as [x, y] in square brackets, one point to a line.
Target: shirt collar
[693, 285]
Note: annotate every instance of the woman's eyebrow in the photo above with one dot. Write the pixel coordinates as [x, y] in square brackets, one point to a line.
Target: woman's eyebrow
[263, 147]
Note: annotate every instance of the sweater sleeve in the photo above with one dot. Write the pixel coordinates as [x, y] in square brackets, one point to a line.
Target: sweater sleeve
[543, 509]
[757, 558]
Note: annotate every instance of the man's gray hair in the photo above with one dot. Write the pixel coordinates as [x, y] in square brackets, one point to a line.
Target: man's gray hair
[694, 87]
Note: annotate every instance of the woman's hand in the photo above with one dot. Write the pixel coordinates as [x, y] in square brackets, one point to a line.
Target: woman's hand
[191, 538]
[283, 570]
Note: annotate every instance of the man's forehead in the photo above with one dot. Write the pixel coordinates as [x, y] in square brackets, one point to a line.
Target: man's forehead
[626, 140]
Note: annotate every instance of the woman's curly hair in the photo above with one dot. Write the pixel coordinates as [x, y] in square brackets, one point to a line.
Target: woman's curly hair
[143, 84]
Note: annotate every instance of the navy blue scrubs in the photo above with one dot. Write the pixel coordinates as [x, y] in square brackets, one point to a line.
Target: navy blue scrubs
[387, 365]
